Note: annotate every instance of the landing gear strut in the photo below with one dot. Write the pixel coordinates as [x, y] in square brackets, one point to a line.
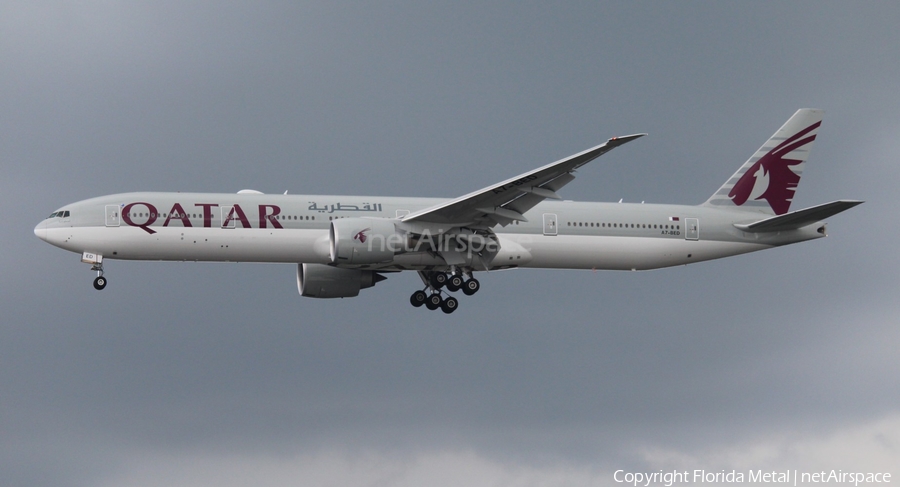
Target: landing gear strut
[435, 281]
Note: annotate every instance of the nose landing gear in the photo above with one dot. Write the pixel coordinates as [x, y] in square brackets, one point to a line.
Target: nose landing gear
[99, 281]
[96, 261]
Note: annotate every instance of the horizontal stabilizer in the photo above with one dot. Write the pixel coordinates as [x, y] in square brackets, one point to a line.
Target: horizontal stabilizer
[799, 218]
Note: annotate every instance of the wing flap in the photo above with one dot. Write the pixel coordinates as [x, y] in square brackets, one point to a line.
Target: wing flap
[799, 218]
[558, 182]
[505, 213]
[543, 192]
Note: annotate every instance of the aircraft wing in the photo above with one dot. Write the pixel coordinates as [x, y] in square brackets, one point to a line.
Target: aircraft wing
[506, 201]
[799, 218]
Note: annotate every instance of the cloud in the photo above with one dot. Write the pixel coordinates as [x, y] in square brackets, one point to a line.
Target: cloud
[336, 468]
[871, 445]
[866, 446]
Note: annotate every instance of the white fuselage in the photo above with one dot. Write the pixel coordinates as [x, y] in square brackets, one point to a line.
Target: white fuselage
[295, 229]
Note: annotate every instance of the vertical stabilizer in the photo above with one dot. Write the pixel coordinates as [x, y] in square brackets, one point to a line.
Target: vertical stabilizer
[767, 181]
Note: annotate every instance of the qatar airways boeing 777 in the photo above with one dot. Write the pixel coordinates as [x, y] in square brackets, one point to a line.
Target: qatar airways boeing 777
[342, 244]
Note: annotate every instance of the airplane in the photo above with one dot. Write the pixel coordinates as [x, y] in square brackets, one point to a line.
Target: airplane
[342, 244]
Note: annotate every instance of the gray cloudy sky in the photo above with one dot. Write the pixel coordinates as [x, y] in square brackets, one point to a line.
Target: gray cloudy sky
[220, 374]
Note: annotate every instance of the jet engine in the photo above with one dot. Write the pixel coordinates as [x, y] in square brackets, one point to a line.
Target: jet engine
[361, 241]
[323, 281]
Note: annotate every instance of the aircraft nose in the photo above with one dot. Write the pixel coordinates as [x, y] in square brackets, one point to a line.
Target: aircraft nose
[41, 230]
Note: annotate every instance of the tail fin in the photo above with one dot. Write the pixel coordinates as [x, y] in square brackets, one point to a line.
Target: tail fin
[768, 180]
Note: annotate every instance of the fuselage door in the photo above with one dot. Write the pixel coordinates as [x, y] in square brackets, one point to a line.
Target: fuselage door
[692, 229]
[112, 215]
[550, 224]
[227, 220]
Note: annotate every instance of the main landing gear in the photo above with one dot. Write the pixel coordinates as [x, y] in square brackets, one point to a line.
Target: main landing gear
[432, 296]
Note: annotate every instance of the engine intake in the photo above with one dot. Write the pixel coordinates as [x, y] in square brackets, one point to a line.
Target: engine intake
[323, 281]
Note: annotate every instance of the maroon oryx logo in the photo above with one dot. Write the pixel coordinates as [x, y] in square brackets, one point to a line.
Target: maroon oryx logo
[771, 177]
[361, 235]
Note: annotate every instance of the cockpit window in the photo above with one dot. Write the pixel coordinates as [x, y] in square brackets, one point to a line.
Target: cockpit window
[53, 215]
[59, 214]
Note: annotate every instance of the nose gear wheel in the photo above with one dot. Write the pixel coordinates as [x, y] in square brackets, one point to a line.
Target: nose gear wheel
[99, 281]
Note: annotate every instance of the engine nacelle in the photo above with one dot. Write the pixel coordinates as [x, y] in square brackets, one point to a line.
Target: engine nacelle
[360, 241]
[323, 281]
